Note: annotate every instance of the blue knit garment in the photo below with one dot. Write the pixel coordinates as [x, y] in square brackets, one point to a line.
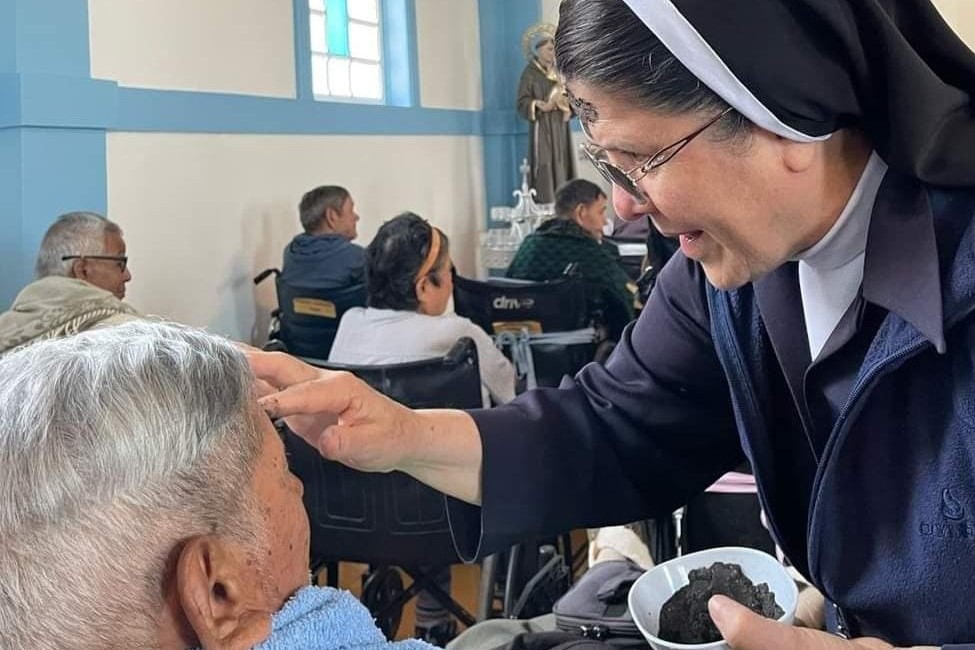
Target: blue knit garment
[321, 618]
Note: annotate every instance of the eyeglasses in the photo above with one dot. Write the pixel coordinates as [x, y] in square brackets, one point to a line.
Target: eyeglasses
[628, 179]
[121, 260]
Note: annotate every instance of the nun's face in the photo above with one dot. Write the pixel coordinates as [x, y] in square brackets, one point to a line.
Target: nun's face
[738, 208]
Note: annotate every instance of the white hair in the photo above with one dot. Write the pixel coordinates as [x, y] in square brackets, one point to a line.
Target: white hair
[115, 444]
[74, 233]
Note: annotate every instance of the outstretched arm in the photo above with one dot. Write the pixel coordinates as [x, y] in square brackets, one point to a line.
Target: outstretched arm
[349, 422]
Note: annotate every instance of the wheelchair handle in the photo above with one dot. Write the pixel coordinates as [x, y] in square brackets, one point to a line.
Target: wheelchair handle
[262, 276]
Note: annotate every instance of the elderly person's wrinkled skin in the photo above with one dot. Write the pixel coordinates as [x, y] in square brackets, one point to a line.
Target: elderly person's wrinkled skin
[222, 595]
[152, 478]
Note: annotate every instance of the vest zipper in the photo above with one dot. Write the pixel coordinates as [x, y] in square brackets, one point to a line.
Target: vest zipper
[741, 367]
[838, 436]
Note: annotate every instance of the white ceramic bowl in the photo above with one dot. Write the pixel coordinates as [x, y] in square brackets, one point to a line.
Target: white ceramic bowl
[656, 586]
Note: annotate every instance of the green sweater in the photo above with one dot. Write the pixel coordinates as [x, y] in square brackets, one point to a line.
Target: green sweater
[560, 242]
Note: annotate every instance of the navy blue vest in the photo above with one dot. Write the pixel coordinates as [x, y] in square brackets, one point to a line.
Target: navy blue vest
[891, 530]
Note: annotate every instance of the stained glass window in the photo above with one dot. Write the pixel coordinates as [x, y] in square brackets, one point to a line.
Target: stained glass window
[346, 49]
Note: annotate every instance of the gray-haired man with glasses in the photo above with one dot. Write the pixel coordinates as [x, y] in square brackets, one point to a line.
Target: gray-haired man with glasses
[81, 271]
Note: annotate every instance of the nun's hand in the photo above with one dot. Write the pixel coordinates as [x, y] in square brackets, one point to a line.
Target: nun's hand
[349, 422]
[746, 630]
[335, 412]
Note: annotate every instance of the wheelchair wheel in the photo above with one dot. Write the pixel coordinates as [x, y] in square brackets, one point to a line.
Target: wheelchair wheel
[380, 587]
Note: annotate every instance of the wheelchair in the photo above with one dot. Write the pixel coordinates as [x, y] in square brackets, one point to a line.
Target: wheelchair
[388, 521]
[547, 328]
[394, 523]
[307, 320]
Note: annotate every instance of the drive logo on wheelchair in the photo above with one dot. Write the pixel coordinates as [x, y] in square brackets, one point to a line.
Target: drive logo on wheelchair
[504, 302]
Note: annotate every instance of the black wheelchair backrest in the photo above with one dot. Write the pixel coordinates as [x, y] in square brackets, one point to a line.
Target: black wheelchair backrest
[309, 318]
[386, 518]
[499, 305]
[451, 381]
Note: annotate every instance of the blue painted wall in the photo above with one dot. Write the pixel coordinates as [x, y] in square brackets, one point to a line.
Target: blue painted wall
[52, 138]
[54, 117]
[11, 248]
[400, 53]
[502, 22]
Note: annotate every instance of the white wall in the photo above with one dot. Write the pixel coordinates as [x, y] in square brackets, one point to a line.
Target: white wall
[234, 46]
[203, 214]
[449, 53]
[550, 11]
[960, 14]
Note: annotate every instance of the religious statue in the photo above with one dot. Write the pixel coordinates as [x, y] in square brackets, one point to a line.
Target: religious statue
[542, 101]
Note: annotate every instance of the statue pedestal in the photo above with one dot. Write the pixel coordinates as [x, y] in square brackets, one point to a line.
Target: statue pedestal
[497, 246]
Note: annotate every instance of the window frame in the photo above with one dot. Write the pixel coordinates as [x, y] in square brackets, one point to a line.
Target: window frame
[319, 16]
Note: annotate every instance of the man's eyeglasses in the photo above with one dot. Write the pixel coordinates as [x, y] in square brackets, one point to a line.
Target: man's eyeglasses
[121, 260]
[628, 179]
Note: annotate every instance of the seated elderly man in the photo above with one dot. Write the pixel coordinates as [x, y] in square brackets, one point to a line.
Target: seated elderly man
[82, 270]
[575, 237]
[324, 256]
[147, 503]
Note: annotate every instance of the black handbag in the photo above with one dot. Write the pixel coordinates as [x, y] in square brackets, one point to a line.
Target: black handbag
[592, 615]
[596, 606]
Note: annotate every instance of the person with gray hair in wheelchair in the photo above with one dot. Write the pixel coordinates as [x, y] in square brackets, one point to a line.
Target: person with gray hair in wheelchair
[324, 255]
[147, 503]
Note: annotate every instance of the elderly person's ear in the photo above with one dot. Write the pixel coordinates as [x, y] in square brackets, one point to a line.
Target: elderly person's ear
[221, 595]
[78, 269]
[331, 216]
[577, 213]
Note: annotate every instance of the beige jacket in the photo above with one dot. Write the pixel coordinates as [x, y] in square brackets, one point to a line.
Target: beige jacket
[58, 306]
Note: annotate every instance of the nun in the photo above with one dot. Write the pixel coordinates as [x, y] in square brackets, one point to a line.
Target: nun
[816, 161]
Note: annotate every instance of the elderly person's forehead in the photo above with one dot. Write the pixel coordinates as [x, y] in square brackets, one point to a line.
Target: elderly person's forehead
[122, 448]
[124, 405]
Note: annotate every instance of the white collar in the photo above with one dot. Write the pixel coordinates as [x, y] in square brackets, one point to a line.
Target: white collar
[848, 236]
[831, 271]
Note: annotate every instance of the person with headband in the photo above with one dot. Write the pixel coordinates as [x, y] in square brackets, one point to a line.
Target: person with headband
[815, 160]
[409, 284]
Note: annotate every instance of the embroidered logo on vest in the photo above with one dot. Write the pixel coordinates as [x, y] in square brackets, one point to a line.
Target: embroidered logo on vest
[950, 507]
[953, 524]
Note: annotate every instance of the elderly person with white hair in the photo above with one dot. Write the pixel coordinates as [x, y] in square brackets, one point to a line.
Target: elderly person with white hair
[81, 273]
[147, 503]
